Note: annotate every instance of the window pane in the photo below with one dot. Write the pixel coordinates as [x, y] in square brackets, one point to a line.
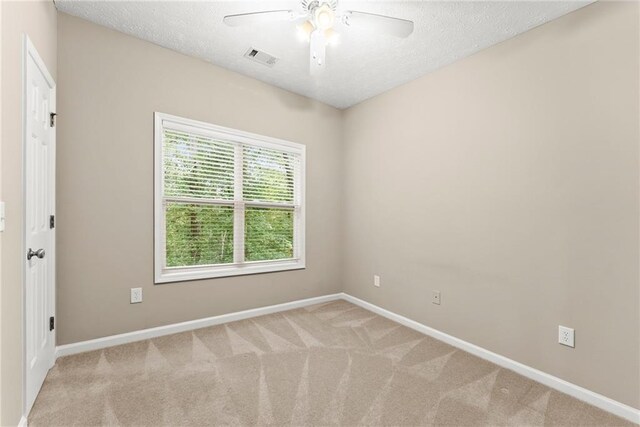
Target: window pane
[197, 167]
[268, 234]
[268, 175]
[198, 234]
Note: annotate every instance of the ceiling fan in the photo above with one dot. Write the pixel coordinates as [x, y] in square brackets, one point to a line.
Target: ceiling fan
[316, 23]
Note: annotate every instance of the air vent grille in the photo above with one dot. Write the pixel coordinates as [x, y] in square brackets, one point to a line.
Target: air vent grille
[261, 57]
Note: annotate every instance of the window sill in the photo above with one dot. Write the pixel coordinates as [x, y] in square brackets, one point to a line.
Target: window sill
[209, 272]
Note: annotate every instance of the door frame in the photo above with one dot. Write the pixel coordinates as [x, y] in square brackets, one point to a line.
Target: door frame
[29, 51]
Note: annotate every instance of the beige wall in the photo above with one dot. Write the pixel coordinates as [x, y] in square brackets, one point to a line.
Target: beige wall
[110, 84]
[38, 20]
[0, 199]
[509, 182]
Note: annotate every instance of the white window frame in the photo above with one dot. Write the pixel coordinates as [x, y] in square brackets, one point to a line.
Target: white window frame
[176, 274]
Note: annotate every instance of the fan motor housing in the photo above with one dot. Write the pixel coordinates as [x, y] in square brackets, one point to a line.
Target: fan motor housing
[311, 5]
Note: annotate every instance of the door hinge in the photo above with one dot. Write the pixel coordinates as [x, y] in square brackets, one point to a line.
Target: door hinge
[52, 323]
[52, 221]
[52, 119]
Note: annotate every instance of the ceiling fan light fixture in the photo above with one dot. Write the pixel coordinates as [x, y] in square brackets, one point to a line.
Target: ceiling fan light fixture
[304, 30]
[332, 36]
[324, 17]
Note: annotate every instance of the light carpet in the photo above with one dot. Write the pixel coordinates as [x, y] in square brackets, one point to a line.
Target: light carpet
[328, 364]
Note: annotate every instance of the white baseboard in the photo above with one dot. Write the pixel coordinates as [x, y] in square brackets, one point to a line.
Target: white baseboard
[581, 393]
[113, 340]
[595, 399]
[23, 422]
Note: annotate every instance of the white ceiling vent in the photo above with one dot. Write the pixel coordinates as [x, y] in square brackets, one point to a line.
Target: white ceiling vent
[261, 57]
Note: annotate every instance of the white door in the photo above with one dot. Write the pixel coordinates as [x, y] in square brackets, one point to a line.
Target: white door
[39, 168]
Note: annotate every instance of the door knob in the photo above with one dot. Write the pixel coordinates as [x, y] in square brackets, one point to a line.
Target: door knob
[39, 253]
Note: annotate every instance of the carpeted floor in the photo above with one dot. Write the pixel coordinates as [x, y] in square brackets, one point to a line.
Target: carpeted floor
[329, 364]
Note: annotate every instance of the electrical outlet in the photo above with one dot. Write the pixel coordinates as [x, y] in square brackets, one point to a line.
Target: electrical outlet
[376, 280]
[566, 336]
[1, 216]
[136, 295]
[435, 297]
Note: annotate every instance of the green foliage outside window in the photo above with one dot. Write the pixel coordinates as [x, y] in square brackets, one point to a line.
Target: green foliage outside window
[203, 234]
[269, 234]
[199, 234]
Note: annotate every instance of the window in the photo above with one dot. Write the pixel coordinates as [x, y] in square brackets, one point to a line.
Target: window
[226, 202]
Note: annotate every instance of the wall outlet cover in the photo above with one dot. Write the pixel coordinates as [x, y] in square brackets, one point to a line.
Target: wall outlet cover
[376, 280]
[435, 297]
[1, 216]
[136, 295]
[566, 336]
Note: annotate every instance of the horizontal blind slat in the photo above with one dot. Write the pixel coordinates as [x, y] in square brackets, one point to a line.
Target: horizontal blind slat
[198, 167]
[269, 174]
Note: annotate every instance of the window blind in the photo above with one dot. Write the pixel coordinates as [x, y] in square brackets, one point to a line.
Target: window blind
[197, 167]
[268, 175]
[228, 201]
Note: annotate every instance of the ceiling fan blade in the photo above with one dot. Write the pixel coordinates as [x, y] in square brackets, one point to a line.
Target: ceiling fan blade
[370, 21]
[258, 17]
[317, 52]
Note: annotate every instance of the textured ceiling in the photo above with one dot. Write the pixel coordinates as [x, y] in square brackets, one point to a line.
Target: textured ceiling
[362, 65]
